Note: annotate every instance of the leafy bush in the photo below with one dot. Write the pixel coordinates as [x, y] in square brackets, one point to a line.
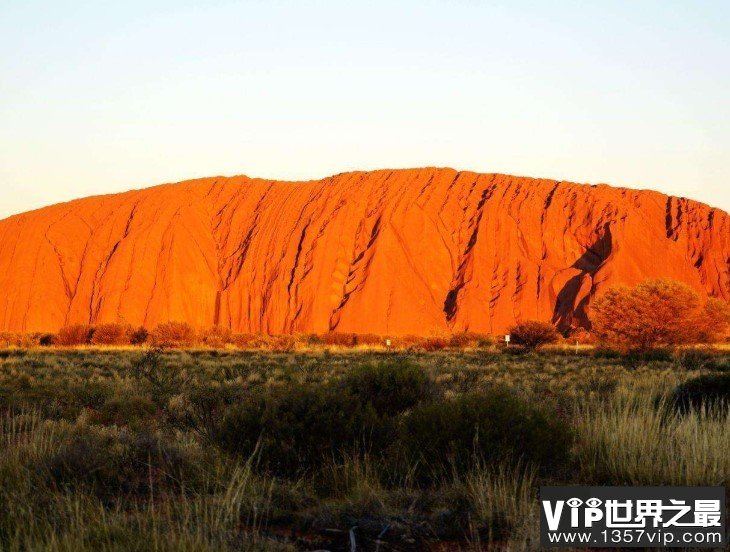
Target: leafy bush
[295, 429]
[47, 340]
[484, 427]
[463, 340]
[112, 465]
[9, 339]
[341, 339]
[460, 340]
[582, 337]
[162, 381]
[282, 343]
[244, 341]
[603, 352]
[390, 387]
[434, 344]
[173, 334]
[405, 341]
[711, 391]
[277, 343]
[532, 334]
[70, 336]
[125, 410]
[486, 341]
[349, 339]
[308, 340]
[369, 339]
[202, 408]
[112, 334]
[242, 427]
[713, 321]
[216, 337]
[694, 359]
[637, 357]
[139, 336]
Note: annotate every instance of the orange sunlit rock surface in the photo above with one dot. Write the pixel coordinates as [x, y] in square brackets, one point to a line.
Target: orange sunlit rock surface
[388, 252]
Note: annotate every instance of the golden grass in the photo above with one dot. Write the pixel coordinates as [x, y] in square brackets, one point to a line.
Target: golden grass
[635, 440]
[74, 521]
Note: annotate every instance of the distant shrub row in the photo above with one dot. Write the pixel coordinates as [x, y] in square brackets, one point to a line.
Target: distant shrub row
[182, 335]
[652, 315]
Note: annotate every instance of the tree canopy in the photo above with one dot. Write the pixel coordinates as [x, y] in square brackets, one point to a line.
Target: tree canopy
[657, 313]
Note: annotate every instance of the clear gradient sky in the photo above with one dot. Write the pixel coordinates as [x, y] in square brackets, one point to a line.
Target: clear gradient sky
[97, 96]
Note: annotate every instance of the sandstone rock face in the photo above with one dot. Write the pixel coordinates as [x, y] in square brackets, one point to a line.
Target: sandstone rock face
[424, 251]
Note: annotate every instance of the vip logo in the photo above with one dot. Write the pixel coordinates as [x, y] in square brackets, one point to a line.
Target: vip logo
[632, 516]
[592, 513]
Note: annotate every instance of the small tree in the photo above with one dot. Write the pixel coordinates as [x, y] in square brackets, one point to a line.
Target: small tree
[78, 334]
[532, 334]
[656, 313]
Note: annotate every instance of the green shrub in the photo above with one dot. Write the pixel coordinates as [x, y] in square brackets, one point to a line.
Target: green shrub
[295, 429]
[390, 387]
[203, 407]
[637, 357]
[56, 400]
[161, 380]
[242, 426]
[484, 427]
[114, 465]
[80, 395]
[694, 359]
[710, 391]
[602, 352]
[125, 410]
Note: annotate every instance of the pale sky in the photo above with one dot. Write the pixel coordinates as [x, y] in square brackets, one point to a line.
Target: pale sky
[98, 97]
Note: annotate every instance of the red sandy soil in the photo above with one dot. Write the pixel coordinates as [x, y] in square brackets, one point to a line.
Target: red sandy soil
[421, 251]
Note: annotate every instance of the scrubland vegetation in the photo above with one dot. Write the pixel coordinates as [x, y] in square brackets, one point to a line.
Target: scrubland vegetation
[234, 450]
[116, 438]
